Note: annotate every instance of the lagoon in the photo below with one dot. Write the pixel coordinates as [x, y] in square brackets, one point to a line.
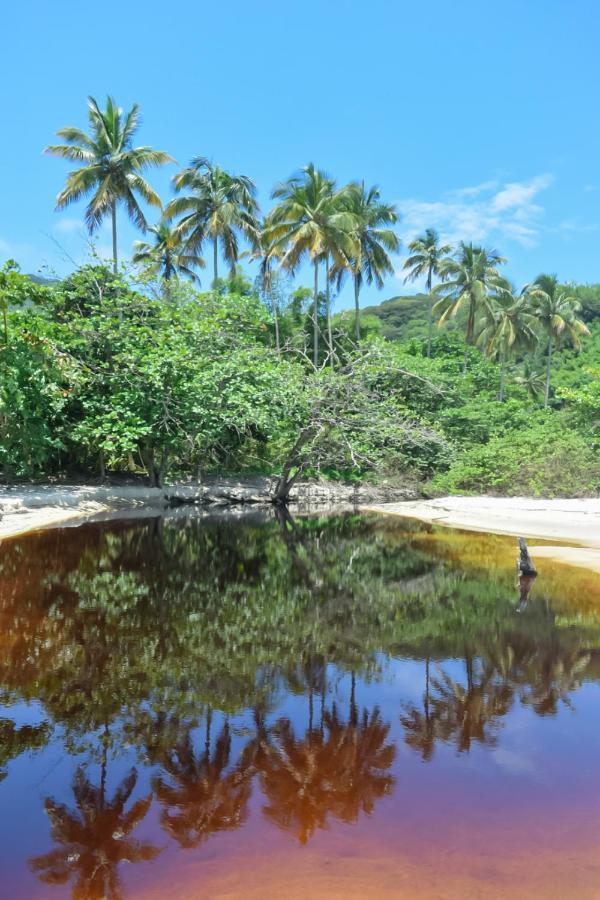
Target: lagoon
[261, 706]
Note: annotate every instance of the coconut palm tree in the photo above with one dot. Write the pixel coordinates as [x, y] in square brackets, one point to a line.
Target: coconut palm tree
[217, 206]
[532, 379]
[94, 838]
[111, 167]
[508, 324]
[468, 277]
[426, 257]
[167, 255]
[556, 312]
[373, 241]
[267, 251]
[310, 220]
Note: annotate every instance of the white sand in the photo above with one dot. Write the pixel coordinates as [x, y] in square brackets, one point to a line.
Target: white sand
[32, 508]
[574, 521]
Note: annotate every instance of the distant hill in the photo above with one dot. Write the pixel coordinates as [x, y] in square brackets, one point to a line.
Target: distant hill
[401, 317]
[39, 279]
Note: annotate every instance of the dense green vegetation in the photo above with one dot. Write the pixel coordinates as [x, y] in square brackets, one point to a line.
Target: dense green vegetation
[473, 386]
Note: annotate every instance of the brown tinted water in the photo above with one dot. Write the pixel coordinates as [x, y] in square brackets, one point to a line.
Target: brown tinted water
[334, 707]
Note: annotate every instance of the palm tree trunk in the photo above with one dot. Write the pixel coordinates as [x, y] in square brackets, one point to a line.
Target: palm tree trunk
[113, 214]
[548, 365]
[429, 314]
[356, 308]
[327, 291]
[316, 317]
[469, 334]
[215, 259]
[276, 323]
[502, 374]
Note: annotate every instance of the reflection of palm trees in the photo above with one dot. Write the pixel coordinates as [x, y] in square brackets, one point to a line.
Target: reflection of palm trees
[471, 713]
[421, 728]
[456, 713]
[551, 679]
[94, 839]
[337, 770]
[197, 795]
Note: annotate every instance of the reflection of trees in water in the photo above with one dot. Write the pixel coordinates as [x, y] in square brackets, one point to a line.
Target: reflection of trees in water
[339, 769]
[94, 838]
[142, 628]
[198, 794]
[15, 740]
[539, 666]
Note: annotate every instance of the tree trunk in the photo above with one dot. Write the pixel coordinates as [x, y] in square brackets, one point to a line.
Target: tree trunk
[356, 308]
[113, 213]
[525, 564]
[469, 334]
[429, 314]
[215, 259]
[502, 376]
[327, 291]
[276, 323]
[548, 365]
[316, 317]
[294, 459]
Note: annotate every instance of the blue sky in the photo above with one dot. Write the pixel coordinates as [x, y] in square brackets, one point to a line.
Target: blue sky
[479, 118]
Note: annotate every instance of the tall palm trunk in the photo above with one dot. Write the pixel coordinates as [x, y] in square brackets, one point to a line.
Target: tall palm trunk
[429, 314]
[548, 365]
[502, 374]
[276, 323]
[328, 295]
[113, 215]
[469, 334]
[215, 259]
[357, 307]
[316, 316]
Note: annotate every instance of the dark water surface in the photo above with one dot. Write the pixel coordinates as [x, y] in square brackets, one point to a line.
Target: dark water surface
[332, 707]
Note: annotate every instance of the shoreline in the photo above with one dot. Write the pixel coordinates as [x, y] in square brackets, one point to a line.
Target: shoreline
[574, 523]
[29, 508]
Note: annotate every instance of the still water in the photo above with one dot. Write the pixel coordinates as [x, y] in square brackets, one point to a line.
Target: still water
[327, 707]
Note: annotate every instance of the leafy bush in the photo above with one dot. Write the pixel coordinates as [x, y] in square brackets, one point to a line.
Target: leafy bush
[541, 460]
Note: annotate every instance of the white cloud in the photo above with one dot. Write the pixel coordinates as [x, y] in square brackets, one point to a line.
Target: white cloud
[519, 194]
[491, 211]
[67, 225]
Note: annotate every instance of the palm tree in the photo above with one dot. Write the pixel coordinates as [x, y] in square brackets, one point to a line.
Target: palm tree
[468, 278]
[532, 379]
[508, 324]
[167, 255]
[556, 312]
[266, 251]
[94, 838]
[219, 207]
[111, 167]
[373, 240]
[310, 220]
[426, 258]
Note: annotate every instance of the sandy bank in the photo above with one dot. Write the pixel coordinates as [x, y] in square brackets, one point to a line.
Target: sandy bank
[30, 508]
[573, 521]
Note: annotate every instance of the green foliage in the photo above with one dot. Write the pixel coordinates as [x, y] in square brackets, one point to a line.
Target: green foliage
[540, 460]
